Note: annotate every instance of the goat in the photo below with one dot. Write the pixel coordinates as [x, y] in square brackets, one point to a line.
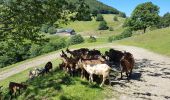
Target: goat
[14, 87]
[127, 63]
[69, 64]
[88, 61]
[48, 66]
[97, 69]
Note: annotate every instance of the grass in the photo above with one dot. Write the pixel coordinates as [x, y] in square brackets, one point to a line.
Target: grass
[92, 26]
[57, 86]
[22, 76]
[157, 41]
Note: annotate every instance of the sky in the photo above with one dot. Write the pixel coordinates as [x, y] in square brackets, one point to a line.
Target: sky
[128, 6]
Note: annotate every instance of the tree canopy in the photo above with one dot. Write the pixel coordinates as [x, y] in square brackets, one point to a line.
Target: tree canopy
[21, 22]
[144, 15]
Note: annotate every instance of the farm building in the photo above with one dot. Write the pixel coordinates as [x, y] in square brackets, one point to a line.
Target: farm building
[65, 32]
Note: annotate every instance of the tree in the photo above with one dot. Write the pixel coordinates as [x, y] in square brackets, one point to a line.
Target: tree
[103, 25]
[21, 22]
[166, 20]
[115, 18]
[144, 15]
[99, 17]
[52, 30]
[94, 13]
[122, 14]
[83, 11]
[76, 39]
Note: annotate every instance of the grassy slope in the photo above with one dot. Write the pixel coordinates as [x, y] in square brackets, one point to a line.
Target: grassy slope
[157, 41]
[83, 26]
[58, 85]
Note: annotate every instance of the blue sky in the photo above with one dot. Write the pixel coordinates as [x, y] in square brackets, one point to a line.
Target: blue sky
[127, 6]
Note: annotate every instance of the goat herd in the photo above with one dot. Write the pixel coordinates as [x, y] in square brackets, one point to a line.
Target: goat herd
[86, 63]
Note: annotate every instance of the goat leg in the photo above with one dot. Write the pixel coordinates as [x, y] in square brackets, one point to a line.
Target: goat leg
[121, 75]
[127, 76]
[104, 78]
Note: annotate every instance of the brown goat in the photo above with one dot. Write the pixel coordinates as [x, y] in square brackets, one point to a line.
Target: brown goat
[14, 87]
[127, 64]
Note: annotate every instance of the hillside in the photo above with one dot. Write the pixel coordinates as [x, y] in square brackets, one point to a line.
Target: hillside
[157, 41]
[92, 26]
[100, 7]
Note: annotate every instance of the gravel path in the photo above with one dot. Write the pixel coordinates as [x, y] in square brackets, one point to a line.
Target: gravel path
[150, 79]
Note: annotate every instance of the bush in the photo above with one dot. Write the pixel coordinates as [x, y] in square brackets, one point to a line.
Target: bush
[52, 30]
[35, 50]
[126, 33]
[115, 18]
[59, 43]
[110, 39]
[76, 39]
[44, 28]
[103, 26]
[111, 29]
[123, 15]
[47, 48]
[91, 39]
[99, 17]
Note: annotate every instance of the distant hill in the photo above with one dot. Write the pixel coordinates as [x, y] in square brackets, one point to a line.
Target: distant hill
[100, 7]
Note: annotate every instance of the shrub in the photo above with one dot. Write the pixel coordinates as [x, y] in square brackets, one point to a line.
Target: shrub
[123, 15]
[76, 39]
[126, 33]
[91, 39]
[99, 17]
[59, 43]
[111, 29]
[35, 50]
[103, 26]
[52, 30]
[44, 28]
[47, 48]
[115, 18]
[110, 39]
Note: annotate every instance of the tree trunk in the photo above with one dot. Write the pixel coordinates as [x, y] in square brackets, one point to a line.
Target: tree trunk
[144, 30]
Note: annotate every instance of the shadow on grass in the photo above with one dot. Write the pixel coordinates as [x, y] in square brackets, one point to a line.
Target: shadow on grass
[44, 86]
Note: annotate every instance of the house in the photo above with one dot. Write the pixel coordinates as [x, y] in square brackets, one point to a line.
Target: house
[65, 32]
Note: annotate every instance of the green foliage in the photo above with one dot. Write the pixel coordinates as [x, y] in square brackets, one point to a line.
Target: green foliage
[111, 29]
[35, 50]
[164, 21]
[122, 14]
[94, 13]
[52, 30]
[76, 39]
[115, 18]
[100, 7]
[44, 28]
[26, 26]
[144, 15]
[110, 39]
[91, 39]
[83, 11]
[99, 17]
[103, 26]
[126, 33]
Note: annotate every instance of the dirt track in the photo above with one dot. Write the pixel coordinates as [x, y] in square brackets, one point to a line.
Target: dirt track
[150, 79]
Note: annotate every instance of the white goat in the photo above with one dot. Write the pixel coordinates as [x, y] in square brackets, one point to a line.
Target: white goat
[98, 69]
